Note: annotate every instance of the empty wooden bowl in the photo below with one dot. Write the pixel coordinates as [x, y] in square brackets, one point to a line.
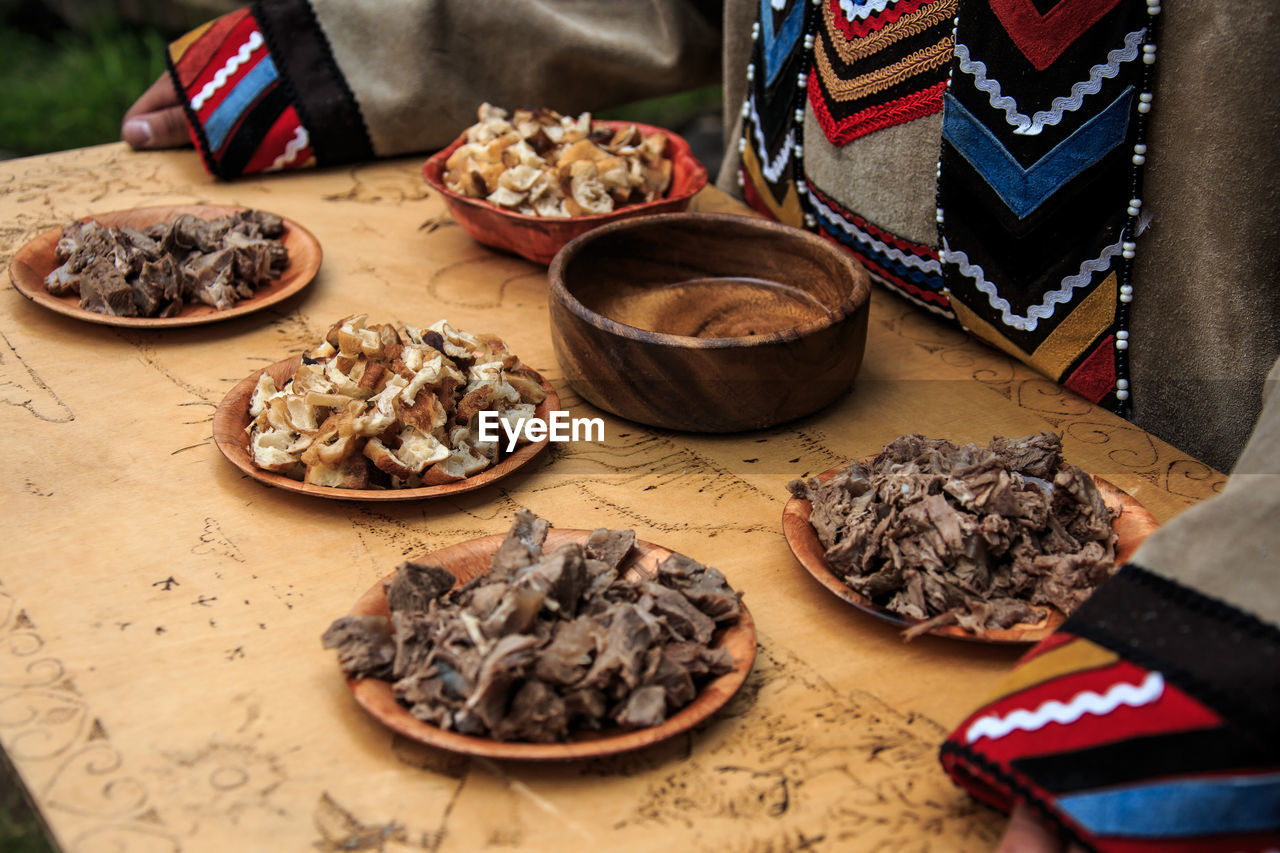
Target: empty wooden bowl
[707, 322]
[539, 238]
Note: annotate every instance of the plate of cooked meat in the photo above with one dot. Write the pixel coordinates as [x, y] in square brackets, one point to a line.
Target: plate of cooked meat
[996, 544]
[167, 266]
[546, 644]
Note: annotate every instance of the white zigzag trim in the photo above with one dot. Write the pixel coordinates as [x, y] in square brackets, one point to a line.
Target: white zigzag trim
[219, 80]
[905, 258]
[772, 170]
[778, 5]
[1086, 702]
[299, 141]
[1052, 299]
[863, 8]
[1032, 125]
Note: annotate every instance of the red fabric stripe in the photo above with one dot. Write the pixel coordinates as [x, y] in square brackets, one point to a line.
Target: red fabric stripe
[196, 57]
[855, 30]
[274, 143]
[1207, 844]
[1096, 375]
[1173, 711]
[236, 37]
[1043, 38]
[841, 132]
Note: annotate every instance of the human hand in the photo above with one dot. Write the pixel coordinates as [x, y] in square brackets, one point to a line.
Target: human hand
[1026, 834]
[155, 120]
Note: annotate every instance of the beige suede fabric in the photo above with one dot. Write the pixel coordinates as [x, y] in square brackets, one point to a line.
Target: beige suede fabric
[1205, 321]
[1228, 547]
[420, 68]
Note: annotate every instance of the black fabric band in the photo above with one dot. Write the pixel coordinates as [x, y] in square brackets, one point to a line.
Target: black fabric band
[1139, 758]
[314, 84]
[1222, 656]
[247, 137]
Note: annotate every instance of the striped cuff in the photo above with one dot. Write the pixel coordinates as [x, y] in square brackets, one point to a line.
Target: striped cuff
[256, 104]
[1144, 724]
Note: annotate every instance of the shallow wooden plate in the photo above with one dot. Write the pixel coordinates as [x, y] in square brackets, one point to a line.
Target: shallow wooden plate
[35, 260]
[232, 417]
[1132, 525]
[471, 558]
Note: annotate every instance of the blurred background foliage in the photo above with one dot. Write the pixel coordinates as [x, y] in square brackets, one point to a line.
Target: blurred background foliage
[70, 68]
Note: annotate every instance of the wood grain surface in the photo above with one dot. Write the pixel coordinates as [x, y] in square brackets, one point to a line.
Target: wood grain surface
[468, 560]
[36, 259]
[705, 322]
[163, 686]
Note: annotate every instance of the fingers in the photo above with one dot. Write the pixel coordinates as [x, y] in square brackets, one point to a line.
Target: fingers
[156, 120]
[1026, 834]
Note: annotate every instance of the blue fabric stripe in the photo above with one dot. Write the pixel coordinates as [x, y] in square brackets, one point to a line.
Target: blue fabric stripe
[1180, 809]
[243, 96]
[778, 47]
[1024, 190]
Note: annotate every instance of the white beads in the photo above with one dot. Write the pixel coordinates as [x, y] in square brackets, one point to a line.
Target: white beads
[942, 256]
[809, 220]
[742, 145]
[939, 216]
[799, 150]
[1122, 384]
[1126, 293]
[1139, 154]
[802, 79]
[742, 182]
[1122, 394]
[1122, 335]
[1149, 54]
[1153, 7]
[800, 114]
[1128, 250]
[755, 31]
[1135, 205]
[808, 41]
[1126, 298]
[751, 72]
[1121, 344]
[1144, 102]
[746, 109]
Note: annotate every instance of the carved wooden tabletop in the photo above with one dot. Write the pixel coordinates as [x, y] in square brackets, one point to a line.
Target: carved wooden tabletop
[162, 682]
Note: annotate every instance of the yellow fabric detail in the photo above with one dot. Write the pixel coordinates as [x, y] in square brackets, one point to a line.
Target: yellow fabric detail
[983, 330]
[789, 211]
[918, 62]
[1078, 331]
[1076, 656]
[179, 47]
[874, 42]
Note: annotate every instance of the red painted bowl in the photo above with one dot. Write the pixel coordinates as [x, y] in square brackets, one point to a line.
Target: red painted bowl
[539, 238]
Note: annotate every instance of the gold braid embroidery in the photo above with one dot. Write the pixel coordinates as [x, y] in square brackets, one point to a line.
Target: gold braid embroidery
[904, 27]
[922, 60]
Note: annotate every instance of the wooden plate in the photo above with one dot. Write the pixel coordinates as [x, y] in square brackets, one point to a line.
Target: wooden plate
[232, 417]
[1132, 526]
[469, 559]
[35, 260]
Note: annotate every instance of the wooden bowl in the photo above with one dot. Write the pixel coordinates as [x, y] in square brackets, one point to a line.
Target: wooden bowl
[708, 322]
[1132, 524]
[470, 559]
[539, 238]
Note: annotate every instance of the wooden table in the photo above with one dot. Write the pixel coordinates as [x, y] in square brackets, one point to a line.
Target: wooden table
[162, 682]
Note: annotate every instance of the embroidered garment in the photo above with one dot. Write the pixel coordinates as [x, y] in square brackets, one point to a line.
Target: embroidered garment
[1135, 740]
[1039, 182]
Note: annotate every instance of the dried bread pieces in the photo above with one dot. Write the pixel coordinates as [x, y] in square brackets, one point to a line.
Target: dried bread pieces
[376, 407]
[540, 163]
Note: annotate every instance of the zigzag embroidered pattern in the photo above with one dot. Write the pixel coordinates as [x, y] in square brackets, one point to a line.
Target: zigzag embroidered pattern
[913, 23]
[1032, 125]
[925, 59]
[230, 67]
[300, 141]
[772, 169]
[995, 726]
[1051, 300]
[845, 130]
